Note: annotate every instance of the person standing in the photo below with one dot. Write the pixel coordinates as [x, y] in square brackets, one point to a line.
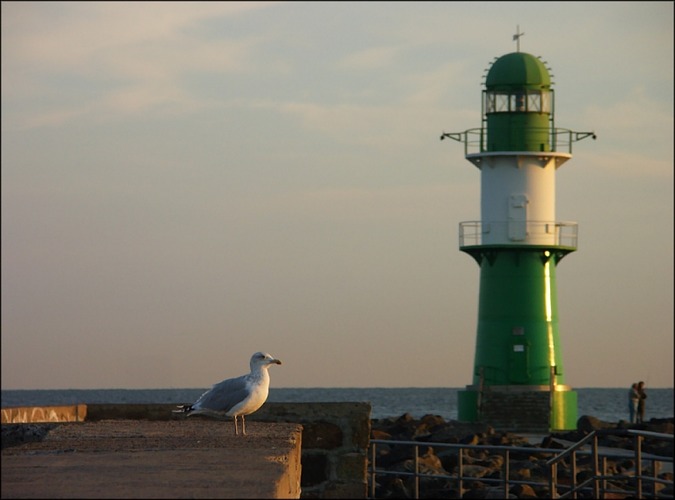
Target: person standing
[641, 403]
[633, 400]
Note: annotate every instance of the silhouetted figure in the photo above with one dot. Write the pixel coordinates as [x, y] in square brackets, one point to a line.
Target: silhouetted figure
[641, 402]
[633, 401]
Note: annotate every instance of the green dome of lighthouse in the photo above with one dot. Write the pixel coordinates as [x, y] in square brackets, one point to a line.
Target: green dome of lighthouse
[518, 70]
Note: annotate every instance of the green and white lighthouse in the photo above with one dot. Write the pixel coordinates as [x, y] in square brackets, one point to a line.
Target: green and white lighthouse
[518, 377]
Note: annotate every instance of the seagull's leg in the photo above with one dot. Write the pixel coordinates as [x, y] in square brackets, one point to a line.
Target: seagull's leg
[236, 431]
[243, 425]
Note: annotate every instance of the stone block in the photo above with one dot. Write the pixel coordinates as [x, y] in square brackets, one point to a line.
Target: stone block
[361, 431]
[346, 490]
[321, 435]
[351, 467]
[314, 469]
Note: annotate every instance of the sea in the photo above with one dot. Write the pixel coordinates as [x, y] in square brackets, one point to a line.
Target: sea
[610, 405]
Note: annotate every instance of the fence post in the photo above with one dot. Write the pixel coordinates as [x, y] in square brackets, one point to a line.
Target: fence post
[574, 474]
[417, 471]
[506, 473]
[460, 472]
[638, 465]
[596, 471]
[372, 469]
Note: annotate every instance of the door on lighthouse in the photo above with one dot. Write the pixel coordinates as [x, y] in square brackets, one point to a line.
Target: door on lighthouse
[517, 217]
[519, 363]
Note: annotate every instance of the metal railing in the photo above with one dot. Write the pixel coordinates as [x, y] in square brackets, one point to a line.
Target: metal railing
[459, 477]
[598, 481]
[597, 484]
[554, 233]
[560, 139]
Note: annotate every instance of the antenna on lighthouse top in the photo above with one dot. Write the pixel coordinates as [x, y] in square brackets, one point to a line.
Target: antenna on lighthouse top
[516, 38]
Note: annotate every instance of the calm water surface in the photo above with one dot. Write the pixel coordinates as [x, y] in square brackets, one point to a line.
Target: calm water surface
[606, 404]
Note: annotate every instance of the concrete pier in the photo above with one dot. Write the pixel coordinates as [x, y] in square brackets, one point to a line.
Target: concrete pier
[332, 446]
[156, 459]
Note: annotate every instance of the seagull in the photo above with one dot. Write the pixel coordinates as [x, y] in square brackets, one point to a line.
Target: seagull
[236, 397]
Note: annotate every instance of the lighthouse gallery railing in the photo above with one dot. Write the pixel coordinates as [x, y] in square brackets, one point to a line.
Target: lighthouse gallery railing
[554, 233]
[560, 139]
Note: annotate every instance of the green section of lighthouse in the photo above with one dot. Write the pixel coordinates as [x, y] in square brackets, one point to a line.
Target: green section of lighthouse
[518, 70]
[518, 320]
[518, 104]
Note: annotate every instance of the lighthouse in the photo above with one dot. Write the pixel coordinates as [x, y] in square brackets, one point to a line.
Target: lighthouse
[518, 379]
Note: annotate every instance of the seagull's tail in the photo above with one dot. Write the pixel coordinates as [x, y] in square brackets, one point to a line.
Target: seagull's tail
[183, 409]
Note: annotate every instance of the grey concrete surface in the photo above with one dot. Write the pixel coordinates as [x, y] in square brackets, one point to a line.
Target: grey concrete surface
[197, 458]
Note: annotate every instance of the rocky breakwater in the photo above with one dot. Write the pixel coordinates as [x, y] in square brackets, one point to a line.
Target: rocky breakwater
[483, 458]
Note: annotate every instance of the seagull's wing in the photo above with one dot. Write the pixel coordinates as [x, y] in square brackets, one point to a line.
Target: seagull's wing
[224, 395]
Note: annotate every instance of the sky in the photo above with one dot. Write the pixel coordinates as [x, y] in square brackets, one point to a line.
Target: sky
[184, 184]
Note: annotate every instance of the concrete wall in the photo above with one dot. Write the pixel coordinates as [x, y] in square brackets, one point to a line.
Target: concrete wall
[335, 440]
[335, 436]
[517, 411]
[36, 414]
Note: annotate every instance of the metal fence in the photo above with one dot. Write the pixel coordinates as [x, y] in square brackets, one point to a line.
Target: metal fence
[596, 485]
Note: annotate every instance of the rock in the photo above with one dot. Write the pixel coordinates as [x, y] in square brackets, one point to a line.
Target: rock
[446, 434]
[474, 456]
[15, 434]
[523, 491]
[523, 474]
[482, 464]
[428, 463]
[400, 429]
[433, 421]
[496, 492]
[471, 439]
[587, 424]
[420, 433]
[495, 461]
[378, 434]
[476, 470]
[399, 490]
[571, 436]
[429, 423]
[476, 490]
[393, 455]
[431, 462]
[449, 457]
[662, 425]
[524, 469]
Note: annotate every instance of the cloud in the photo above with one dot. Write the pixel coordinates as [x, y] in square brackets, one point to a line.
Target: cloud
[130, 56]
[369, 58]
[38, 36]
[635, 120]
[398, 203]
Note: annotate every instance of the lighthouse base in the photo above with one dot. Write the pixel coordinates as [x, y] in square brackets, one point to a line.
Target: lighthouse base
[520, 408]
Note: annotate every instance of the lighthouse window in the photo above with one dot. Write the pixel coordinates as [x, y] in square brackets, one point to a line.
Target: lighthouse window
[530, 101]
[501, 103]
[496, 102]
[534, 102]
[517, 102]
[545, 102]
[489, 102]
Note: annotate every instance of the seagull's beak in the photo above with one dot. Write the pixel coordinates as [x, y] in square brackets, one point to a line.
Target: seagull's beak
[276, 361]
